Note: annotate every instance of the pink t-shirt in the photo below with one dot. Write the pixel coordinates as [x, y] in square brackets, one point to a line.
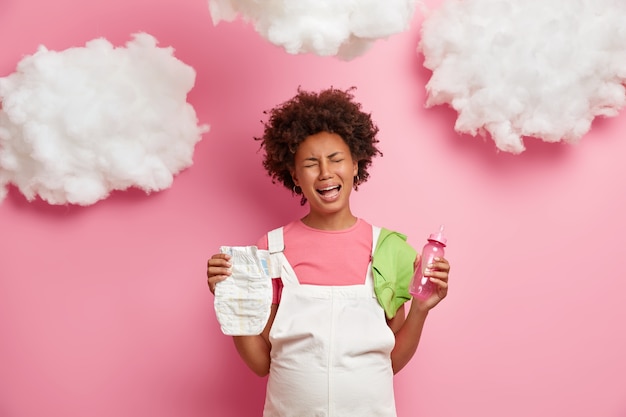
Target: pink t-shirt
[325, 257]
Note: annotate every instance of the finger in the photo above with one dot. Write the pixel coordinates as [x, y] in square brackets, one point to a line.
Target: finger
[433, 271]
[218, 264]
[221, 255]
[219, 259]
[418, 258]
[214, 271]
[439, 282]
[217, 278]
[440, 264]
[441, 275]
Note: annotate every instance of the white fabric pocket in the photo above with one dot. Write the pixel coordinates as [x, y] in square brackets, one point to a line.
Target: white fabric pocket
[243, 301]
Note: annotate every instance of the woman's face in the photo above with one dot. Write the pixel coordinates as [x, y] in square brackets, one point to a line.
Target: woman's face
[325, 170]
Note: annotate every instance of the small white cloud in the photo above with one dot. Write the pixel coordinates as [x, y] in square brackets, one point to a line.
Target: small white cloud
[533, 68]
[342, 28]
[80, 123]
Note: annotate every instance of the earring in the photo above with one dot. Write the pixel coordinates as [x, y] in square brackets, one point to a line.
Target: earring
[356, 179]
[296, 189]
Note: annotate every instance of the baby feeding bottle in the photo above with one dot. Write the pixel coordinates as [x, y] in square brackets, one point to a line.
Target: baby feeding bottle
[421, 287]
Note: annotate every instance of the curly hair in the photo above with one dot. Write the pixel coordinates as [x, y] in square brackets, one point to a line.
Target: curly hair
[308, 113]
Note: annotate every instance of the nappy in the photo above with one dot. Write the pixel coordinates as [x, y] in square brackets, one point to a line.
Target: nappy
[243, 300]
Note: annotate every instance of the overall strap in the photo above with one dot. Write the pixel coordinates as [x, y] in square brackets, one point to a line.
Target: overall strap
[275, 246]
[275, 241]
[369, 281]
[375, 235]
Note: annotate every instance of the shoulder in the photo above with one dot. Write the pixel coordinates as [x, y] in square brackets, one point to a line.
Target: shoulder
[263, 243]
[392, 240]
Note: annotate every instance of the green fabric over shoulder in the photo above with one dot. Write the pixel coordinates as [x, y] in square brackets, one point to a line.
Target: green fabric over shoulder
[392, 268]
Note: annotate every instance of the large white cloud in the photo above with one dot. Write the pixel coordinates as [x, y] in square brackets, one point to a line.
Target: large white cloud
[342, 28]
[80, 123]
[531, 68]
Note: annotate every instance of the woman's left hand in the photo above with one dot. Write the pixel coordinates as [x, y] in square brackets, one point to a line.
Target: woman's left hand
[438, 273]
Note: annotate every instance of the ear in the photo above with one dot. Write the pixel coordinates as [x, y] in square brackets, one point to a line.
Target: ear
[294, 177]
[355, 168]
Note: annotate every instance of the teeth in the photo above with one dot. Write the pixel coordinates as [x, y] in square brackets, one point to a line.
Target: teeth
[329, 188]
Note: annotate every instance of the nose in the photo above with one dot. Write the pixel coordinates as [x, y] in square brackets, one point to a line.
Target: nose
[325, 171]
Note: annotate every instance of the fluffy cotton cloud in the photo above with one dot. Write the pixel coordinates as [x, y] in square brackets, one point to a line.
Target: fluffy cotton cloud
[534, 68]
[80, 123]
[345, 28]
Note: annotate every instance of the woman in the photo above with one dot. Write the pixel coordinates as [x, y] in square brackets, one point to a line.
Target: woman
[331, 345]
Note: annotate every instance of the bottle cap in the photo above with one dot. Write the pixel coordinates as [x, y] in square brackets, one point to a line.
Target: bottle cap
[439, 237]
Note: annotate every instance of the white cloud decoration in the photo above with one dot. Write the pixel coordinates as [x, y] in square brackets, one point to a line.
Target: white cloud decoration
[532, 68]
[80, 123]
[342, 28]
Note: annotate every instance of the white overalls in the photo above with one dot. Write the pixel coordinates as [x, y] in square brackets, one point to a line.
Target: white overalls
[331, 348]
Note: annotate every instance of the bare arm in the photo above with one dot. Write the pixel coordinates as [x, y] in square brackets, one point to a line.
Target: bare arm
[408, 334]
[255, 350]
[408, 327]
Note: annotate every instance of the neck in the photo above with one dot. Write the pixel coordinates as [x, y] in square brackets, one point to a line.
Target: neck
[330, 222]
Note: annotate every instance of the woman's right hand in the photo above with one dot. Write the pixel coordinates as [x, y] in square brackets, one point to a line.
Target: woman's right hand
[218, 269]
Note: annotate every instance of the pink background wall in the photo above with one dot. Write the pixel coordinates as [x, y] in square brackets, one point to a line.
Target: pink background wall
[104, 310]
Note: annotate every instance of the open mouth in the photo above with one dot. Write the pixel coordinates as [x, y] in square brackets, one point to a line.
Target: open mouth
[329, 192]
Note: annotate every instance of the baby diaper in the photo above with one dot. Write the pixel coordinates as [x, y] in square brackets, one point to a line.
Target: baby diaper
[244, 299]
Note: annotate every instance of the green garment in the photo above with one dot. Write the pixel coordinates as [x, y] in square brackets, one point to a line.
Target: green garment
[392, 268]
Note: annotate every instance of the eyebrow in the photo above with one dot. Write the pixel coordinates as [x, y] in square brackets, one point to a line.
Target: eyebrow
[332, 155]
